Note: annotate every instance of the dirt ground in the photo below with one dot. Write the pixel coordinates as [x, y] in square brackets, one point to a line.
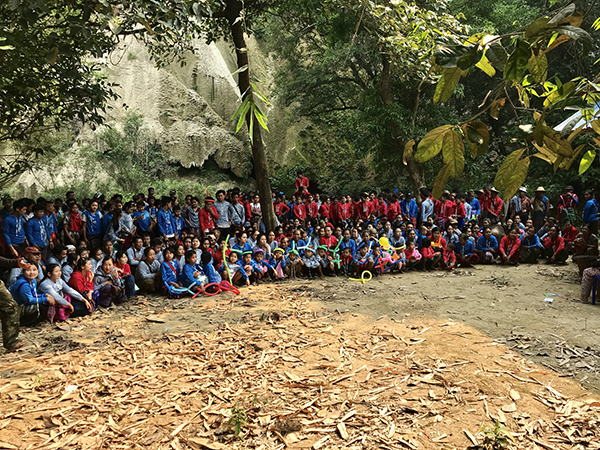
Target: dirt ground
[404, 361]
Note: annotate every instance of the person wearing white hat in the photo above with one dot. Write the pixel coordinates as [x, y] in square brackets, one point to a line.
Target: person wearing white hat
[520, 205]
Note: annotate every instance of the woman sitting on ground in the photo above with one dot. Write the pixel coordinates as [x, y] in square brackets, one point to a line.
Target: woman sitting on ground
[554, 247]
[70, 303]
[147, 275]
[82, 280]
[108, 284]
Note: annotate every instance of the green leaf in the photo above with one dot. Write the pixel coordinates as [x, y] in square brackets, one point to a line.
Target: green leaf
[242, 111]
[568, 162]
[518, 62]
[453, 150]
[115, 28]
[556, 144]
[560, 93]
[497, 55]
[536, 28]
[507, 169]
[478, 137]
[432, 143]
[260, 117]
[485, 65]
[586, 161]
[512, 173]
[408, 151]
[538, 67]
[240, 70]
[468, 60]
[440, 181]
[446, 85]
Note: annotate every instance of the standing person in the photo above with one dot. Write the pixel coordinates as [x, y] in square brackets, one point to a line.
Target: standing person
[475, 206]
[225, 212]
[496, 204]
[14, 230]
[539, 208]
[164, 219]
[51, 223]
[238, 216]
[443, 210]
[426, 206]
[73, 224]
[519, 205]
[590, 212]
[10, 312]
[409, 208]
[92, 229]
[567, 202]
[191, 217]
[141, 218]
[6, 207]
[208, 216]
[36, 232]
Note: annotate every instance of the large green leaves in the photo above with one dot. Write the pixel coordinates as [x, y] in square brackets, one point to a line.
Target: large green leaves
[518, 61]
[586, 161]
[447, 83]
[440, 181]
[432, 143]
[512, 173]
[538, 67]
[453, 151]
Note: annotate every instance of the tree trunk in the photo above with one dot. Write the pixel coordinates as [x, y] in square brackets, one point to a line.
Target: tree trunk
[415, 170]
[261, 170]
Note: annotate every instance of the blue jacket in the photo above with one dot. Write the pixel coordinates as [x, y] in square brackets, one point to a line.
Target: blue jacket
[25, 293]
[409, 208]
[50, 222]
[94, 223]
[106, 221]
[165, 222]
[145, 222]
[533, 242]
[178, 223]
[246, 248]
[168, 275]
[482, 245]
[475, 208]
[36, 232]
[14, 232]
[211, 272]
[350, 244]
[187, 276]
[464, 250]
[590, 212]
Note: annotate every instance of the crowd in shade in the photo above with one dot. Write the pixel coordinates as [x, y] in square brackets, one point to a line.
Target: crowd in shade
[68, 257]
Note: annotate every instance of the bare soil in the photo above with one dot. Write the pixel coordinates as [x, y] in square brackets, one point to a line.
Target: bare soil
[418, 360]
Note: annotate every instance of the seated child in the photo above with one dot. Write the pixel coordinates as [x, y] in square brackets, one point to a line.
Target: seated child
[293, 264]
[465, 252]
[430, 257]
[325, 261]
[171, 273]
[264, 269]
[192, 275]
[235, 270]
[311, 263]
[278, 262]
[413, 258]
[124, 270]
[249, 266]
[346, 261]
[363, 260]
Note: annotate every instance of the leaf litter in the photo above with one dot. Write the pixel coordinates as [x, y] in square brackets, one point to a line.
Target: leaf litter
[302, 378]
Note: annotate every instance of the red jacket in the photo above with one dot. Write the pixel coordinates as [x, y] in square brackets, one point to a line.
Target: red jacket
[570, 234]
[302, 181]
[206, 219]
[346, 210]
[330, 242]
[364, 209]
[557, 245]
[393, 210]
[382, 210]
[280, 209]
[443, 209]
[324, 211]
[508, 247]
[312, 209]
[79, 283]
[300, 211]
[427, 252]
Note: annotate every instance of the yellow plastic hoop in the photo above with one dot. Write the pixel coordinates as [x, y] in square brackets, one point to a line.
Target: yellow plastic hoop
[362, 277]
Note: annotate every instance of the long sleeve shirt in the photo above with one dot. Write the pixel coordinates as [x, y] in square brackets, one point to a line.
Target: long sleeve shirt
[35, 229]
[147, 271]
[409, 208]
[280, 208]
[170, 272]
[485, 245]
[13, 229]
[58, 290]
[557, 244]
[464, 250]
[145, 220]
[590, 212]
[80, 283]
[207, 221]
[25, 292]
[51, 224]
[350, 244]
[475, 209]
[426, 209]
[187, 275]
[16, 272]
[509, 247]
[132, 254]
[93, 222]
[312, 262]
[531, 242]
[225, 214]
[165, 222]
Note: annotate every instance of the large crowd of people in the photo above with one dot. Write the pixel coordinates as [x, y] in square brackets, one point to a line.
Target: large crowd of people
[67, 257]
